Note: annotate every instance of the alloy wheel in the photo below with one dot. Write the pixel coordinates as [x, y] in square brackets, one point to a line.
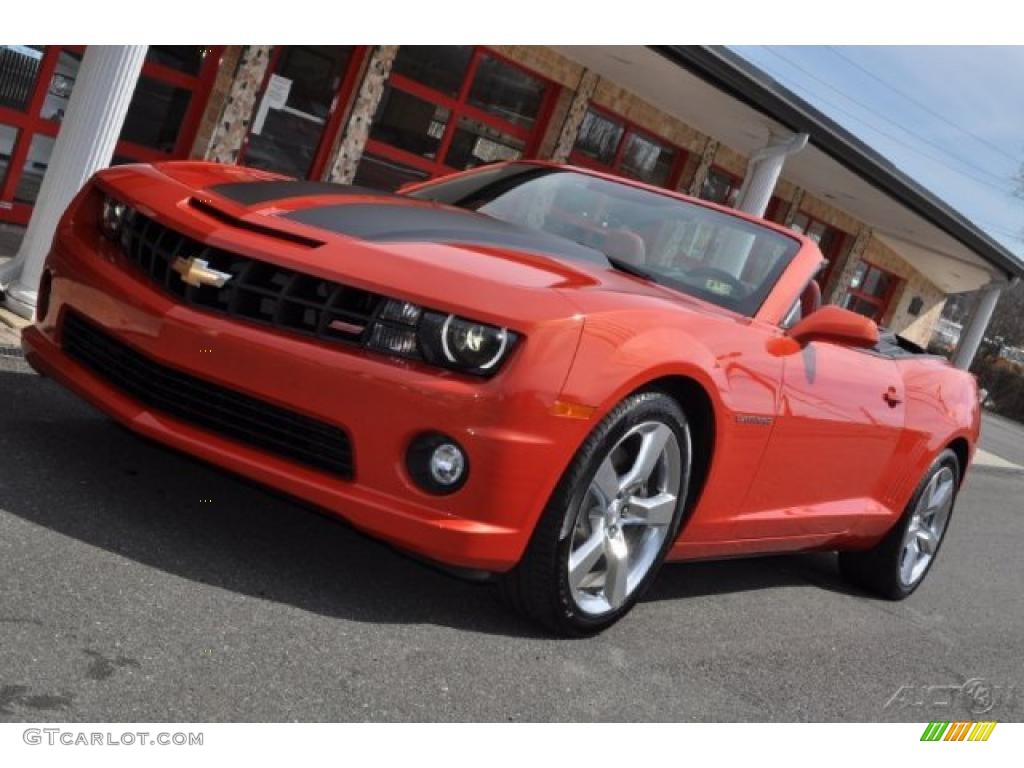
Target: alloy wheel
[624, 517]
[927, 526]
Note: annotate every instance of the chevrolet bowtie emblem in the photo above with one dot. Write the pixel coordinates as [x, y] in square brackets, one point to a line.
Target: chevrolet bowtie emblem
[197, 272]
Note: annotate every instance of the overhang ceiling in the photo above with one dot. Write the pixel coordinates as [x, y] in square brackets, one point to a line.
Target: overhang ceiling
[948, 263]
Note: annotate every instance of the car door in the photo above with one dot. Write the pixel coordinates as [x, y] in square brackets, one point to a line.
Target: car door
[839, 419]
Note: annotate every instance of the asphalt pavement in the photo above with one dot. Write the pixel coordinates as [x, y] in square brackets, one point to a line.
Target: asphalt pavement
[124, 596]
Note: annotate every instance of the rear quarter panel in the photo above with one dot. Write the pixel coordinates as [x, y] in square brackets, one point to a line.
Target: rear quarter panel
[941, 407]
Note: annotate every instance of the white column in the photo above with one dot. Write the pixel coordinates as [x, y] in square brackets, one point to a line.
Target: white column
[92, 123]
[970, 338]
[763, 173]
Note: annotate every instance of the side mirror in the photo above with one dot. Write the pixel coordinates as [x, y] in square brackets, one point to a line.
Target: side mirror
[837, 325]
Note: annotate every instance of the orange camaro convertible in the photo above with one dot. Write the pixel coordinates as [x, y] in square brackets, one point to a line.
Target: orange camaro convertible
[547, 376]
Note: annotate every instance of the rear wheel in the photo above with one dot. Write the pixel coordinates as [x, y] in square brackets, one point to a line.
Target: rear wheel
[897, 565]
[612, 518]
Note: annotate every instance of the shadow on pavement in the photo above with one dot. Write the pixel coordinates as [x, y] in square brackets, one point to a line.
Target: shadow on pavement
[66, 467]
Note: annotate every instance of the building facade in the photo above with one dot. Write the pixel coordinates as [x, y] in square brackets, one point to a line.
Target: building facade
[384, 116]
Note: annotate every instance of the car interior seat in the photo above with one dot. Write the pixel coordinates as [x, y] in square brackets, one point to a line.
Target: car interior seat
[810, 299]
[625, 246]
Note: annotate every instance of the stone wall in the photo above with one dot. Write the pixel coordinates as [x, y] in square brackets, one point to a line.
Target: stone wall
[218, 100]
[543, 61]
[341, 166]
[237, 110]
[567, 118]
[728, 159]
[829, 214]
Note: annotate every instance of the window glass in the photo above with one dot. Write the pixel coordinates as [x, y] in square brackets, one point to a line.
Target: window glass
[475, 143]
[599, 138]
[506, 91]
[293, 109]
[379, 173]
[718, 188]
[8, 137]
[441, 67]
[32, 172]
[861, 306]
[870, 289]
[55, 103]
[647, 160]
[800, 222]
[815, 231]
[184, 58]
[715, 256]
[155, 114]
[878, 283]
[410, 123]
[19, 67]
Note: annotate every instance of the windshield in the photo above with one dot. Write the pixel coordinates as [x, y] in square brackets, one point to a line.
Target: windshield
[699, 251]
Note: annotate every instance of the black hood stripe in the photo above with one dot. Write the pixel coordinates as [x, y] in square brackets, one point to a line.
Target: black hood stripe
[432, 224]
[257, 192]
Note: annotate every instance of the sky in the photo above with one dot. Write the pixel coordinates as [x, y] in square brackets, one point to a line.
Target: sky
[952, 118]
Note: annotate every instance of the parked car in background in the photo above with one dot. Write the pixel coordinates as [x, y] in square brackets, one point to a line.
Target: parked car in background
[536, 374]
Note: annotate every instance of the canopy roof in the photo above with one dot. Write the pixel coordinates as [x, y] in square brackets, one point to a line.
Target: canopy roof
[727, 98]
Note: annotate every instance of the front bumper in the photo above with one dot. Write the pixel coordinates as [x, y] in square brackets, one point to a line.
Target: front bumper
[517, 448]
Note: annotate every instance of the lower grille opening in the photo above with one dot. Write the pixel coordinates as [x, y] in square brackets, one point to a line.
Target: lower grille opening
[205, 404]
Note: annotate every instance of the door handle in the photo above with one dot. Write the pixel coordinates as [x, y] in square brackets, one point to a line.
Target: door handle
[891, 397]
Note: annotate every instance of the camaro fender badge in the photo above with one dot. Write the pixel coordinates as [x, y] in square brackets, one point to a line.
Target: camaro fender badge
[753, 418]
[196, 272]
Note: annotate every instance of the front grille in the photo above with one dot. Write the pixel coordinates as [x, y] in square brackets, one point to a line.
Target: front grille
[257, 291]
[207, 405]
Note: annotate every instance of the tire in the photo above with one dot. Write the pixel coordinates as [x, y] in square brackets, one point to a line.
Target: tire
[630, 533]
[884, 569]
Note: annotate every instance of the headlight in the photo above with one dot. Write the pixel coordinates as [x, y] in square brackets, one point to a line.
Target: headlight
[112, 217]
[450, 341]
[472, 345]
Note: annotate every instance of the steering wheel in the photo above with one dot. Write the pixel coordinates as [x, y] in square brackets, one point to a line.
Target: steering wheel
[736, 288]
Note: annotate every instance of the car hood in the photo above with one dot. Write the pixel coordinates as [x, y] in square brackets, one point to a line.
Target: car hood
[437, 255]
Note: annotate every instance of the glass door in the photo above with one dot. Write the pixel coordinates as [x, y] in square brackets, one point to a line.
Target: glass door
[303, 96]
[448, 108]
[36, 84]
[22, 69]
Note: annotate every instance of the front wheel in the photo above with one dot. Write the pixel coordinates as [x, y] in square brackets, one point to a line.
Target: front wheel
[610, 521]
[897, 565]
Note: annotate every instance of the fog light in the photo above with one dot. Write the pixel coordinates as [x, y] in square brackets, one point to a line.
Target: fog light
[437, 463]
[447, 464]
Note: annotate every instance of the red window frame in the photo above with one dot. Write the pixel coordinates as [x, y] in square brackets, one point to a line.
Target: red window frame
[882, 303]
[629, 127]
[29, 123]
[735, 180]
[458, 106]
[775, 207]
[339, 107]
[835, 249]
